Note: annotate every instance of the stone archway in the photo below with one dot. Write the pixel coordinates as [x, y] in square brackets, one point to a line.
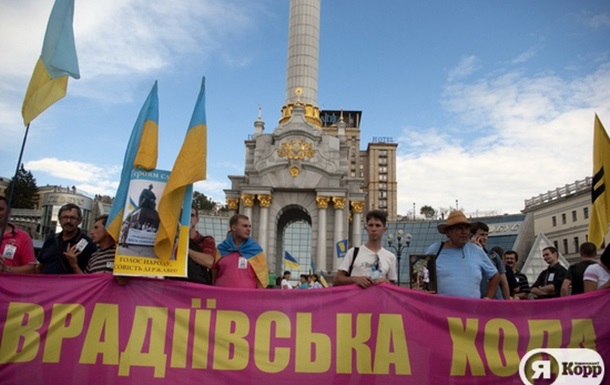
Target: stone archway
[293, 233]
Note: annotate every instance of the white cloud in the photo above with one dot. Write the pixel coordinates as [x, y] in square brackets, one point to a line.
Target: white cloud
[89, 177]
[599, 21]
[512, 137]
[466, 67]
[213, 189]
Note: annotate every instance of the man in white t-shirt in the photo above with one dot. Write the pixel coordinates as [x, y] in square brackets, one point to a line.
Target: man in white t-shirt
[373, 264]
[285, 284]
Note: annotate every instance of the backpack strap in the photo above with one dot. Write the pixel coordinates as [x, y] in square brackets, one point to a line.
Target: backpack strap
[440, 249]
[351, 266]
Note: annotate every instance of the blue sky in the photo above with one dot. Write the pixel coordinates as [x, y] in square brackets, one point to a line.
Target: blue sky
[491, 102]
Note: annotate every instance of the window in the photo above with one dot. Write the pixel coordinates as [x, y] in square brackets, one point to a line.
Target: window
[383, 152]
[564, 219]
[383, 178]
[383, 194]
[554, 219]
[576, 245]
[565, 246]
[383, 161]
[383, 204]
[574, 216]
[585, 212]
[353, 174]
[383, 186]
[556, 245]
[383, 170]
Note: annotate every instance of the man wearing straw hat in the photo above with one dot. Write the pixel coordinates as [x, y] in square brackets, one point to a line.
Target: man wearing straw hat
[461, 265]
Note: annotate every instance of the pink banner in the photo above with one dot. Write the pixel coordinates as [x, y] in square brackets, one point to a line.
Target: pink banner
[91, 330]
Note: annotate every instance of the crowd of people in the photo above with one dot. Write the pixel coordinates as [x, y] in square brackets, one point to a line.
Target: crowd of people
[463, 265]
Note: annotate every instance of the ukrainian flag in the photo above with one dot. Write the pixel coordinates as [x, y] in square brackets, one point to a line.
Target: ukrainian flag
[141, 152]
[290, 262]
[323, 279]
[57, 61]
[190, 167]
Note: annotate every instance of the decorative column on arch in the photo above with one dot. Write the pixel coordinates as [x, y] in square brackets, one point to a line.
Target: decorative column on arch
[248, 200]
[322, 203]
[263, 238]
[233, 205]
[357, 208]
[339, 205]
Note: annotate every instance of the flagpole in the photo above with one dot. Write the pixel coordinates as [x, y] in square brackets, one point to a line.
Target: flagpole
[12, 191]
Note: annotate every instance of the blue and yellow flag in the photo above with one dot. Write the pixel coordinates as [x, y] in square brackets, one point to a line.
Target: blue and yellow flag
[321, 276]
[57, 61]
[141, 152]
[341, 248]
[323, 279]
[290, 262]
[250, 250]
[190, 167]
[600, 191]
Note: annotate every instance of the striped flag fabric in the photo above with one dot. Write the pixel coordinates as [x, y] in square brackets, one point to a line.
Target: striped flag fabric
[189, 167]
[57, 61]
[141, 152]
[290, 262]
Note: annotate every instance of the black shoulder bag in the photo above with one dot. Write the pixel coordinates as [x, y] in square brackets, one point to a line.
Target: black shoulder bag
[351, 266]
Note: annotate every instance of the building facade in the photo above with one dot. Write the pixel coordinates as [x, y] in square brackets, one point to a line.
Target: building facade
[562, 215]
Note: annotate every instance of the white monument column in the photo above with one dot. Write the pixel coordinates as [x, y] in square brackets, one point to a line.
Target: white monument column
[263, 238]
[357, 208]
[248, 202]
[339, 205]
[322, 203]
[303, 51]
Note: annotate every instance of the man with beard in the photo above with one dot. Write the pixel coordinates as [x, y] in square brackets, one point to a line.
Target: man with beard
[53, 253]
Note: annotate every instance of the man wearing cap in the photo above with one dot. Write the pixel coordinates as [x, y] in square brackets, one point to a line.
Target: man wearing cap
[461, 265]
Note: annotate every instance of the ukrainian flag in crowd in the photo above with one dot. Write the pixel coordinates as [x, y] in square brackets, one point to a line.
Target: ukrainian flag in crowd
[141, 152]
[57, 61]
[323, 279]
[290, 262]
[190, 167]
[600, 194]
[321, 276]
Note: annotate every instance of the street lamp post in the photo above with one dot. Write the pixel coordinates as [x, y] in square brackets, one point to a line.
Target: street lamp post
[402, 243]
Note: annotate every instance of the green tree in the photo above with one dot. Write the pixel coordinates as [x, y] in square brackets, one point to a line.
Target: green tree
[427, 211]
[25, 195]
[202, 202]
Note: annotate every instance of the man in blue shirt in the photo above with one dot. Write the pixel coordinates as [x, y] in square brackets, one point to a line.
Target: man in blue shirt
[461, 265]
